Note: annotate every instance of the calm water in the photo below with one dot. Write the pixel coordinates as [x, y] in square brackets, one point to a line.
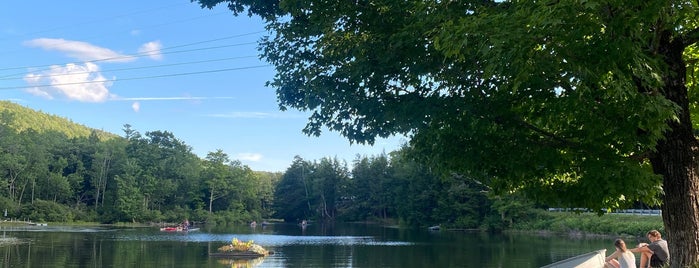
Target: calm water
[346, 245]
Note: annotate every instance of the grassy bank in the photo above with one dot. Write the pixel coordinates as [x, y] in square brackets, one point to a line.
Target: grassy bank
[592, 224]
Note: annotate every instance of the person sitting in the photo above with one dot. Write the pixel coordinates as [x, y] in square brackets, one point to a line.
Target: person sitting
[185, 224]
[655, 254]
[621, 258]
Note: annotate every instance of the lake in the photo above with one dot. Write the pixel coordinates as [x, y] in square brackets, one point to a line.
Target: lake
[338, 245]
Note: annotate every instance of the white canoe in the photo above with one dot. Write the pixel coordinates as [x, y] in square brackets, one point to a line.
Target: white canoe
[593, 259]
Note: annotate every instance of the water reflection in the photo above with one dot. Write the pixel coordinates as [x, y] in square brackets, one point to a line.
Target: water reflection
[317, 246]
[268, 239]
[233, 263]
[56, 228]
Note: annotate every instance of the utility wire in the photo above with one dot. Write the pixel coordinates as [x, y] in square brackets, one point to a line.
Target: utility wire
[137, 68]
[148, 53]
[147, 27]
[143, 54]
[213, 40]
[140, 78]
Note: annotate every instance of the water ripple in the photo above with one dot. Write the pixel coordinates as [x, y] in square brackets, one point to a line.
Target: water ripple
[265, 239]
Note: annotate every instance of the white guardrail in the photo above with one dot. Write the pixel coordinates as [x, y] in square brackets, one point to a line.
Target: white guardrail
[649, 212]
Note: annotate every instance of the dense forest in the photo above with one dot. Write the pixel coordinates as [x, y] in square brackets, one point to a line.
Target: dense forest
[52, 169]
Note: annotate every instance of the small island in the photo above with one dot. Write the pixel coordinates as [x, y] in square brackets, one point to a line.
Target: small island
[241, 250]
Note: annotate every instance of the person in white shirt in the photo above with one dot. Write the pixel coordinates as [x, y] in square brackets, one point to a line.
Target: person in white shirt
[621, 258]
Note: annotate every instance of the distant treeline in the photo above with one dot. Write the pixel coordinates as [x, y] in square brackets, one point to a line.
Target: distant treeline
[54, 170]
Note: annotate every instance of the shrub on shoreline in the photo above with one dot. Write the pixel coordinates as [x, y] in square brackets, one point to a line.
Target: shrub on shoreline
[592, 224]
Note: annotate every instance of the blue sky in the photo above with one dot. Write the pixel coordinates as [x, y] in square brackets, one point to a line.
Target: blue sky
[159, 65]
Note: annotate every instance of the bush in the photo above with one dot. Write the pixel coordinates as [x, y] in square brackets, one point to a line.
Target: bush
[12, 208]
[85, 215]
[466, 222]
[199, 215]
[152, 216]
[590, 223]
[46, 211]
[493, 223]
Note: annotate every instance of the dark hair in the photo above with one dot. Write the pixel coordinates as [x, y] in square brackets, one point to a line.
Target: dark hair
[654, 233]
[620, 244]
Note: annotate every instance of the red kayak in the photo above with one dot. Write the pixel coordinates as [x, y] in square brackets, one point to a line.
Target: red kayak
[177, 229]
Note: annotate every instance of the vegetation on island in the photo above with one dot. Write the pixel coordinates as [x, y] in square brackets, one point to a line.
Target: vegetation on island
[244, 249]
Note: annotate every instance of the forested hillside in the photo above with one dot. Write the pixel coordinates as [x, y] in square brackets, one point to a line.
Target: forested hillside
[23, 118]
[54, 170]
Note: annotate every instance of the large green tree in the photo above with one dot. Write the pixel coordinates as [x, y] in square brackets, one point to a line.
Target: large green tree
[216, 176]
[371, 181]
[293, 196]
[581, 103]
[330, 184]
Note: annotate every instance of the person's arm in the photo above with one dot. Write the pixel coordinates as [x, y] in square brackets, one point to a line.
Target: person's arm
[613, 256]
[642, 248]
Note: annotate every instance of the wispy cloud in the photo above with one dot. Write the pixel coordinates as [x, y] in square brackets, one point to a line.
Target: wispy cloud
[81, 82]
[79, 50]
[252, 157]
[136, 106]
[167, 98]
[152, 49]
[256, 115]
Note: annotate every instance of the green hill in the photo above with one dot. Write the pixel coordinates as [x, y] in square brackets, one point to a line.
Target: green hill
[22, 118]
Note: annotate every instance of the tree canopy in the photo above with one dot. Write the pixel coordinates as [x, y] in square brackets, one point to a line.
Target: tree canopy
[577, 103]
[155, 177]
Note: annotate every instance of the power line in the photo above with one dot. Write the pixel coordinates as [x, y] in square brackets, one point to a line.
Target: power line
[214, 40]
[139, 78]
[138, 55]
[137, 68]
[129, 14]
[148, 53]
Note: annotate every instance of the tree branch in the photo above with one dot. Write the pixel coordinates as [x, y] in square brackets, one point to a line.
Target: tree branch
[689, 38]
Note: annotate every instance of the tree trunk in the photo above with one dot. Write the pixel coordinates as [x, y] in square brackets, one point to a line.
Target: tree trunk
[21, 193]
[97, 194]
[33, 188]
[676, 161]
[211, 200]
[14, 178]
[105, 171]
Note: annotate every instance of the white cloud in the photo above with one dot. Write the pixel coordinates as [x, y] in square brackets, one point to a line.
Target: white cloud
[40, 93]
[80, 50]
[136, 106]
[253, 157]
[168, 98]
[152, 49]
[81, 82]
